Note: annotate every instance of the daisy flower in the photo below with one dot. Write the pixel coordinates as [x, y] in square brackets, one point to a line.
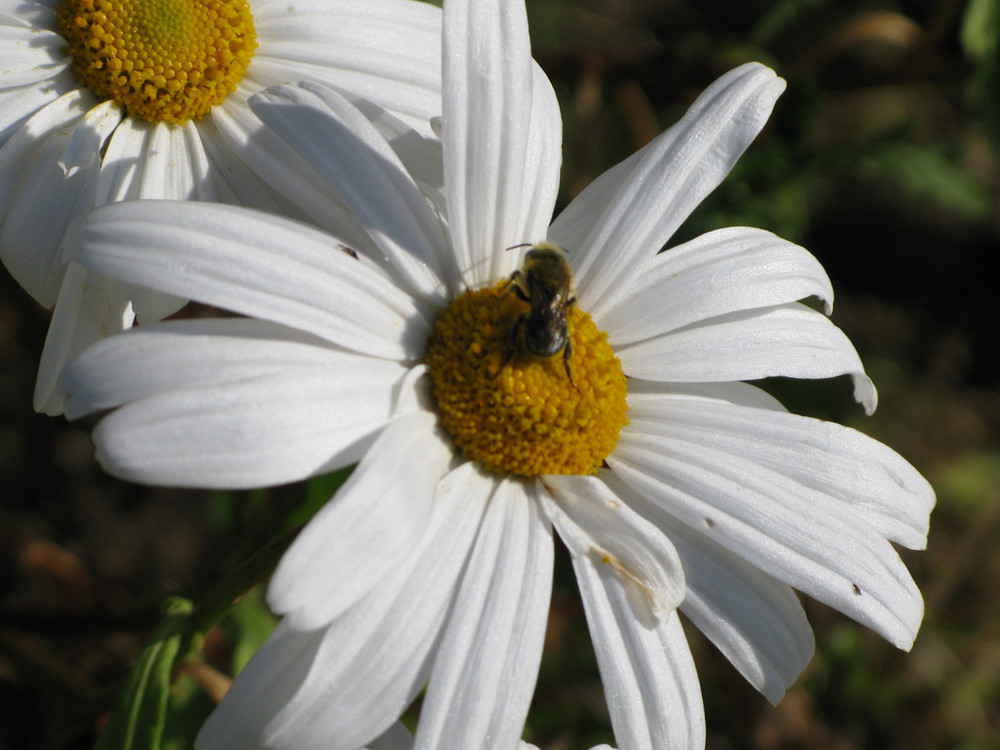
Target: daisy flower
[109, 100]
[491, 402]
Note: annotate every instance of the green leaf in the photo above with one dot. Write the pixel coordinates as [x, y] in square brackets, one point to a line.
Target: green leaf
[250, 623]
[138, 717]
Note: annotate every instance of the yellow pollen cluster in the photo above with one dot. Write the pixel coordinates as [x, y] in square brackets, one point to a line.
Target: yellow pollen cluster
[162, 60]
[517, 413]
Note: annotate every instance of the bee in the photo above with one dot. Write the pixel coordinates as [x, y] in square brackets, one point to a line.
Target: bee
[545, 281]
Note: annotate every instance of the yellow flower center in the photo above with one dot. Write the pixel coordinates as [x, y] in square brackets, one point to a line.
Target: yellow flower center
[517, 413]
[161, 60]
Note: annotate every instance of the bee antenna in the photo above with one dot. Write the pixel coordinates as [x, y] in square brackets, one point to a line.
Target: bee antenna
[523, 244]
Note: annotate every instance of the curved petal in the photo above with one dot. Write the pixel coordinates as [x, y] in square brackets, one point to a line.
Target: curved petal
[370, 524]
[756, 621]
[486, 665]
[18, 105]
[388, 51]
[256, 265]
[501, 136]
[725, 271]
[357, 675]
[592, 519]
[287, 182]
[790, 340]
[780, 526]
[261, 423]
[48, 173]
[650, 681]
[29, 55]
[340, 143]
[628, 214]
[88, 309]
[869, 478]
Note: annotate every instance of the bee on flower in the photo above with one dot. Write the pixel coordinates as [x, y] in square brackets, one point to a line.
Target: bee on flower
[621, 422]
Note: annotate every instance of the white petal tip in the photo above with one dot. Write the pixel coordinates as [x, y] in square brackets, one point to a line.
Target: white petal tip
[865, 393]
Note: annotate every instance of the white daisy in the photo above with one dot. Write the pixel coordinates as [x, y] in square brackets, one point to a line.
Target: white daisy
[169, 119]
[432, 565]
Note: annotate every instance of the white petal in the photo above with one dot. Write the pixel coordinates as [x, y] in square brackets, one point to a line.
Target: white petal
[29, 55]
[181, 354]
[363, 532]
[650, 681]
[17, 105]
[783, 528]
[742, 394]
[370, 663]
[501, 136]
[267, 424]
[270, 680]
[253, 264]
[337, 140]
[725, 271]
[48, 174]
[154, 160]
[869, 478]
[629, 214]
[487, 663]
[756, 621]
[388, 51]
[790, 340]
[593, 520]
[88, 309]
[291, 184]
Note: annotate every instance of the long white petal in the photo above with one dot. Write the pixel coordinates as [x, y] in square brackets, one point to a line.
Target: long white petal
[180, 354]
[48, 175]
[650, 681]
[756, 621]
[721, 272]
[256, 265]
[796, 534]
[501, 136]
[367, 528]
[263, 424]
[322, 127]
[592, 519]
[868, 477]
[88, 309]
[371, 662]
[486, 665]
[632, 213]
[388, 51]
[789, 340]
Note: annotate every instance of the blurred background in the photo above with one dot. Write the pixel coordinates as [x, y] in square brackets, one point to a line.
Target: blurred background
[881, 158]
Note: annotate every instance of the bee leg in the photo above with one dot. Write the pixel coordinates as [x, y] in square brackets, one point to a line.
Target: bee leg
[567, 351]
[515, 286]
[518, 325]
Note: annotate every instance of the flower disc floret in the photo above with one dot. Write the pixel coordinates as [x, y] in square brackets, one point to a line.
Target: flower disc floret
[161, 60]
[518, 413]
